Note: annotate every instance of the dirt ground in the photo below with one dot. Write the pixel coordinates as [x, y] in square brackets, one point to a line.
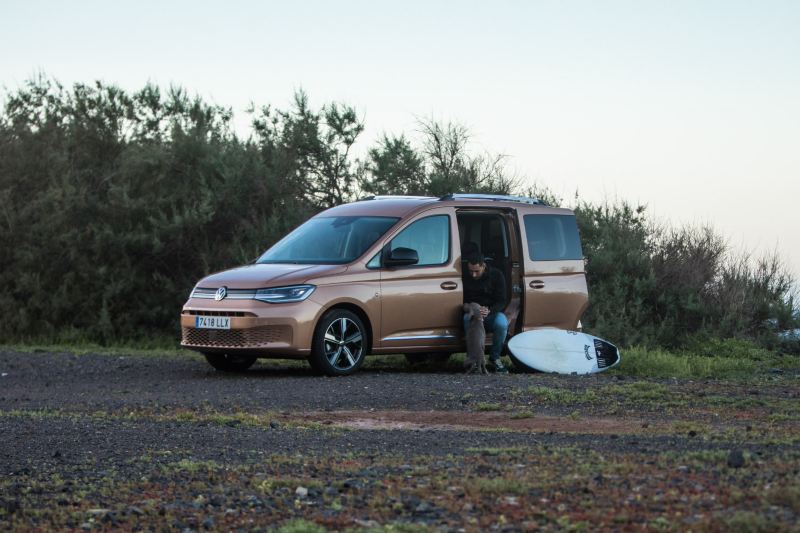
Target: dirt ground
[99, 442]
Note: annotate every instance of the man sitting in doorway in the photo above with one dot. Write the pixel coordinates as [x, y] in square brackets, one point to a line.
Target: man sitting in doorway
[486, 286]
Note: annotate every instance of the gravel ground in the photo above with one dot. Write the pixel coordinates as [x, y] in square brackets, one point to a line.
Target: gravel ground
[135, 442]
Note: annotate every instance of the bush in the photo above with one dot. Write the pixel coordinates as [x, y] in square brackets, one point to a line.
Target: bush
[113, 204]
[657, 286]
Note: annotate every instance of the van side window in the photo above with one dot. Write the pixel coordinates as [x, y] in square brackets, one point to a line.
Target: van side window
[430, 237]
[552, 237]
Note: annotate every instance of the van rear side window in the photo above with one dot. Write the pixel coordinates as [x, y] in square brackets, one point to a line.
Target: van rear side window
[552, 237]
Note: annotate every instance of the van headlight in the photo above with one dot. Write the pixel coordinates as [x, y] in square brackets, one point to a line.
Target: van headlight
[279, 295]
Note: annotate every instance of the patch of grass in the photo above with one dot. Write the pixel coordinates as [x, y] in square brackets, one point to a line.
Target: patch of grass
[658, 363]
[301, 526]
[492, 452]
[488, 406]
[716, 358]
[561, 396]
[268, 485]
[32, 413]
[748, 522]
[786, 497]
[496, 486]
[157, 348]
[192, 466]
[692, 428]
[639, 392]
[778, 418]
[527, 413]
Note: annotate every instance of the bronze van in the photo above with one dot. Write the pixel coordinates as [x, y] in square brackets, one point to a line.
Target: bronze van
[383, 276]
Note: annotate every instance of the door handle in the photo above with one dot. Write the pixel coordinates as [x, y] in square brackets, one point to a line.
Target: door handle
[536, 284]
[449, 285]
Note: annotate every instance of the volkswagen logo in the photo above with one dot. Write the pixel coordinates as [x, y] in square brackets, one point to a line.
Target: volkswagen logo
[222, 292]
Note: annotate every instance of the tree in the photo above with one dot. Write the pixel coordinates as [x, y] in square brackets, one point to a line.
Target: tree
[394, 167]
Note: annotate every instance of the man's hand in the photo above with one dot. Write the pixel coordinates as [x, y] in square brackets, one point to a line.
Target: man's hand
[484, 311]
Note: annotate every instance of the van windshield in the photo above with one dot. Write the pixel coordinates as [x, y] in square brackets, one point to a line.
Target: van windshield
[328, 240]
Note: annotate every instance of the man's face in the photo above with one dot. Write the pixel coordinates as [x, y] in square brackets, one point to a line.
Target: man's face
[476, 271]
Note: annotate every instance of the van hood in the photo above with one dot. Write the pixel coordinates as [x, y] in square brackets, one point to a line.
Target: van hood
[261, 276]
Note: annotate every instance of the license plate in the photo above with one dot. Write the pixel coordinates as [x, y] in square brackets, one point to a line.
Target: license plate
[212, 322]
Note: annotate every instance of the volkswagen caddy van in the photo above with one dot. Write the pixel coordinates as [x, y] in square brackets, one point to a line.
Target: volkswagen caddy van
[383, 276]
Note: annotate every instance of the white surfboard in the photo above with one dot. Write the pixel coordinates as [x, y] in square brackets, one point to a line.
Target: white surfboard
[563, 351]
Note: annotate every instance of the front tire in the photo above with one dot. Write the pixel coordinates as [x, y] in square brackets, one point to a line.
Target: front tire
[229, 363]
[340, 343]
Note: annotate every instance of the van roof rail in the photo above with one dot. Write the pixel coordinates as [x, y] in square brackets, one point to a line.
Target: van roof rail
[395, 197]
[493, 197]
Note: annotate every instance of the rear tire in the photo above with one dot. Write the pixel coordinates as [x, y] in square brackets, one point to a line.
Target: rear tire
[340, 343]
[230, 363]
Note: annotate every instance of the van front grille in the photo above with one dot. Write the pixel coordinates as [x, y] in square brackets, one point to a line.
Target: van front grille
[218, 313]
[236, 338]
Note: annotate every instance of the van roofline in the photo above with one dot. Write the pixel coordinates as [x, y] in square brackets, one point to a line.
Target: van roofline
[460, 196]
[493, 198]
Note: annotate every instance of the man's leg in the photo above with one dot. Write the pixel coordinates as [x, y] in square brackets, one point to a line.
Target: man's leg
[497, 323]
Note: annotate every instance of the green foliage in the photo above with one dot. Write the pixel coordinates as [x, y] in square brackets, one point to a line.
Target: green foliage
[720, 359]
[442, 164]
[301, 526]
[657, 286]
[114, 203]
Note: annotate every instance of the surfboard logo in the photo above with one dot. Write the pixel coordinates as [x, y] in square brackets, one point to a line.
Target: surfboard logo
[586, 352]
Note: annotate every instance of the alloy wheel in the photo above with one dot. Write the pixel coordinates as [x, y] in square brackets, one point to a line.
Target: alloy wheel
[344, 344]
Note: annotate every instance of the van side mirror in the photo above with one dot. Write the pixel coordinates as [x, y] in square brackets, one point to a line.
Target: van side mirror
[401, 257]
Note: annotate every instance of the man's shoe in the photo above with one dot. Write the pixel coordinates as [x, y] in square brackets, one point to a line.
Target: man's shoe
[499, 367]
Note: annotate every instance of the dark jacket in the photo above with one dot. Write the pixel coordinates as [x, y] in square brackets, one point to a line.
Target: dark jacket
[489, 290]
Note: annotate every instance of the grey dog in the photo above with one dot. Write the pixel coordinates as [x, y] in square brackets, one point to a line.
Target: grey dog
[476, 340]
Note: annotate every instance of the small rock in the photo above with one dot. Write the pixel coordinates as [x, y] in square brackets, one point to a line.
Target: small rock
[301, 492]
[646, 425]
[208, 523]
[692, 433]
[370, 524]
[135, 510]
[86, 526]
[736, 459]
[331, 491]
[274, 424]
[98, 512]
[57, 454]
[233, 423]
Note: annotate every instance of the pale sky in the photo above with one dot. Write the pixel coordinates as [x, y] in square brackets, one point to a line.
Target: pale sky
[691, 107]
